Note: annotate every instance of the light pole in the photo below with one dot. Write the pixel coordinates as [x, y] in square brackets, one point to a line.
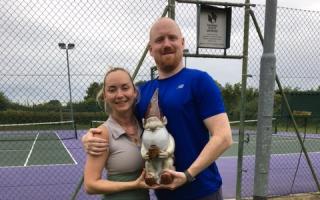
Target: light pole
[185, 51]
[67, 47]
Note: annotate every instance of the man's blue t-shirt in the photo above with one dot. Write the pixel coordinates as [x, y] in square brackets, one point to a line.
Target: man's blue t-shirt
[186, 99]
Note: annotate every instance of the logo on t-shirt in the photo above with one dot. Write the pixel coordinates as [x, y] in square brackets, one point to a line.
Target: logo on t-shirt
[180, 86]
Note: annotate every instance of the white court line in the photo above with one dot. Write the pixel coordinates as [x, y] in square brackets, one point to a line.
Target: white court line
[277, 154]
[49, 165]
[66, 148]
[12, 150]
[30, 152]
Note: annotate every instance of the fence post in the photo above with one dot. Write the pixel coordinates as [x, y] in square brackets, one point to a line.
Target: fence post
[171, 11]
[243, 98]
[265, 105]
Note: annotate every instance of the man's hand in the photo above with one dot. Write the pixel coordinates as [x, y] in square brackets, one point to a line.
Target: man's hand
[179, 178]
[94, 145]
[140, 182]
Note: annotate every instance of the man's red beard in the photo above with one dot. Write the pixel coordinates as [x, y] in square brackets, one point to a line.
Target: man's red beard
[168, 66]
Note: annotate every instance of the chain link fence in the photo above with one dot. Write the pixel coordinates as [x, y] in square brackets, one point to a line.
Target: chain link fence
[296, 50]
[36, 86]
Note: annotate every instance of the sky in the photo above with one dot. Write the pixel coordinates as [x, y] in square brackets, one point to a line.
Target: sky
[299, 4]
[32, 67]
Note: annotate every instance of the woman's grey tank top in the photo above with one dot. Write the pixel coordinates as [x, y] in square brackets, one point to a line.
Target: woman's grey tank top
[124, 162]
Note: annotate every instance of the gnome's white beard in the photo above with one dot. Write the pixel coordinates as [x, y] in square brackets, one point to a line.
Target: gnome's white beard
[155, 133]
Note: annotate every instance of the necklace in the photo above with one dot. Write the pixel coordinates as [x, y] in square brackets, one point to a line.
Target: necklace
[132, 133]
[131, 129]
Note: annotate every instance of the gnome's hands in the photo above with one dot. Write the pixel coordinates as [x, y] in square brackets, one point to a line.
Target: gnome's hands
[144, 153]
[153, 152]
[145, 156]
[164, 154]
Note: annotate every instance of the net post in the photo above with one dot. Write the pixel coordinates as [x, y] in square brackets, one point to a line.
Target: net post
[275, 125]
[317, 126]
[75, 129]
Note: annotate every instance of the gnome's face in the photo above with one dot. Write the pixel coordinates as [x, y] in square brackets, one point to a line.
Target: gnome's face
[155, 133]
[153, 123]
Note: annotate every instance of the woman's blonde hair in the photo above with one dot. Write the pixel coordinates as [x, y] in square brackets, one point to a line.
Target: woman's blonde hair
[101, 93]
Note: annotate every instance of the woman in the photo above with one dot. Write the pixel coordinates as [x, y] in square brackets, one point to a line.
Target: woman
[122, 159]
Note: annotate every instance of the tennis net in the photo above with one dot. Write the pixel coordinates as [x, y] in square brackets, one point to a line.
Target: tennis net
[96, 123]
[278, 132]
[38, 131]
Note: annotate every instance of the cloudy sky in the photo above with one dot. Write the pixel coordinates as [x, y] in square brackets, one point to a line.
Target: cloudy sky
[33, 68]
[300, 4]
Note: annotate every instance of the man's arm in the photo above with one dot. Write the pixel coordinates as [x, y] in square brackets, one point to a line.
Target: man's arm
[94, 145]
[220, 141]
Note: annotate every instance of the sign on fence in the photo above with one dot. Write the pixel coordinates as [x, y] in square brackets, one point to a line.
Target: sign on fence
[214, 26]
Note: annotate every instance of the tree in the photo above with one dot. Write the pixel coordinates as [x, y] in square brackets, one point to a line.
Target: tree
[232, 96]
[4, 102]
[232, 101]
[252, 95]
[139, 83]
[93, 90]
[54, 103]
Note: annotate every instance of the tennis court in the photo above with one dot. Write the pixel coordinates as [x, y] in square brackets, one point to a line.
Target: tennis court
[287, 163]
[39, 157]
[38, 149]
[50, 161]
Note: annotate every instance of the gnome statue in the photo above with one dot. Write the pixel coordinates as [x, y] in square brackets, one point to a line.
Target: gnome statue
[157, 145]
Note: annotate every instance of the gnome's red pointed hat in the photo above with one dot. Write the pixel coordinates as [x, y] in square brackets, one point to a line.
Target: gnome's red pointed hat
[153, 107]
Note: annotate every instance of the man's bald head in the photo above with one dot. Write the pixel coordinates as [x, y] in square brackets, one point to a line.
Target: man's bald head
[162, 22]
[166, 46]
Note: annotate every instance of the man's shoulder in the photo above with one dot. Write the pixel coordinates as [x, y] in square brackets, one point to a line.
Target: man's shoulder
[196, 75]
[147, 89]
[195, 72]
[147, 84]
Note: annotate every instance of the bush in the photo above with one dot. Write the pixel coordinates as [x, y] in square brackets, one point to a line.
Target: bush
[19, 117]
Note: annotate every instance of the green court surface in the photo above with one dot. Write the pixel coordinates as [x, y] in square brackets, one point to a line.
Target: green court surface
[42, 149]
[287, 143]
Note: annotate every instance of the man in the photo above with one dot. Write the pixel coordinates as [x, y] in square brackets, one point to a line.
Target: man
[193, 106]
